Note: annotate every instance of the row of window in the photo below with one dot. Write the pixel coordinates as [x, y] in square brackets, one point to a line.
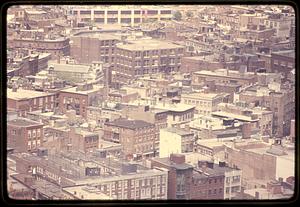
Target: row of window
[123, 12]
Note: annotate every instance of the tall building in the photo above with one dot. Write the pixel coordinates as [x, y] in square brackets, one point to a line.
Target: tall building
[140, 57]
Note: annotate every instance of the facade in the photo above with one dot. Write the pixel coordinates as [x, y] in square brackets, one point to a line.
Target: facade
[116, 15]
[79, 97]
[24, 135]
[83, 141]
[179, 175]
[58, 47]
[205, 102]
[24, 101]
[175, 140]
[143, 57]
[281, 103]
[138, 138]
[283, 62]
[92, 46]
[223, 76]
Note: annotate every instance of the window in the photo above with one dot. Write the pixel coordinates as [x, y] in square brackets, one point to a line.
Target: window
[14, 132]
[38, 132]
[209, 192]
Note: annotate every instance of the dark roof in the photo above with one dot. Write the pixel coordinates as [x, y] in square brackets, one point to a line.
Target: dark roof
[130, 124]
[23, 122]
[168, 162]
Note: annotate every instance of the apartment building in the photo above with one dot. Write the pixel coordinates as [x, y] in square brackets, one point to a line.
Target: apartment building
[23, 101]
[24, 135]
[138, 138]
[79, 97]
[88, 46]
[141, 57]
[179, 175]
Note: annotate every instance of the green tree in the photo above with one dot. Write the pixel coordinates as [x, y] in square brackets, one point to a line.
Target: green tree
[177, 16]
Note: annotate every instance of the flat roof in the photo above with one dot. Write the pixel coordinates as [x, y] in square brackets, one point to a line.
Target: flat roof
[87, 192]
[178, 131]
[85, 92]
[72, 68]
[130, 124]
[22, 122]
[166, 161]
[200, 95]
[21, 94]
[145, 44]
[234, 116]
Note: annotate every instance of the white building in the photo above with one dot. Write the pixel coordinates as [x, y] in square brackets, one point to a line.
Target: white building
[175, 140]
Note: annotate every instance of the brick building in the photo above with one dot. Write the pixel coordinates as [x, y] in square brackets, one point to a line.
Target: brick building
[281, 102]
[24, 101]
[83, 141]
[142, 57]
[179, 175]
[93, 46]
[79, 97]
[24, 135]
[138, 138]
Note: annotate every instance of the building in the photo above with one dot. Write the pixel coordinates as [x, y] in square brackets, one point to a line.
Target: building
[24, 135]
[280, 101]
[92, 46]
[83, 141]
[215, 181]
[178, 114]
[179, 175]
[143, 57]
[138, 138]
[283, 62]
[24, 101]
[79, 98]
[57, 46]
[77, 176]
[129, 15]
[205, 103]
[175, 140]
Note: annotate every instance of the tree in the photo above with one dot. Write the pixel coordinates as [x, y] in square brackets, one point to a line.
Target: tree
[177, 16]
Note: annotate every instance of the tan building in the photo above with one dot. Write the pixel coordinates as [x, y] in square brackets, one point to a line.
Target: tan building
[23, 101]
[205, 103]
[223, 76]
[128, 15]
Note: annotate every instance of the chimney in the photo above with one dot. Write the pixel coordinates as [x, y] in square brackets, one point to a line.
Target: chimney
[256, 195]
[177, 158]
[222, 164]
[210, 164]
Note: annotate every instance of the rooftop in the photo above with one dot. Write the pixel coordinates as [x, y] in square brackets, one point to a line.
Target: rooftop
[22, 122]
[141, 45]
[178, 131]
[60, 67]
[201, 95]
[166, 161]
[95, 88]
[22, 94]
[87, 192]
[130, 124]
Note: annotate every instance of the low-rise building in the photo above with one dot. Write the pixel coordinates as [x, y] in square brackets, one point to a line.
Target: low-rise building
[138, 138]
[24, 135]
